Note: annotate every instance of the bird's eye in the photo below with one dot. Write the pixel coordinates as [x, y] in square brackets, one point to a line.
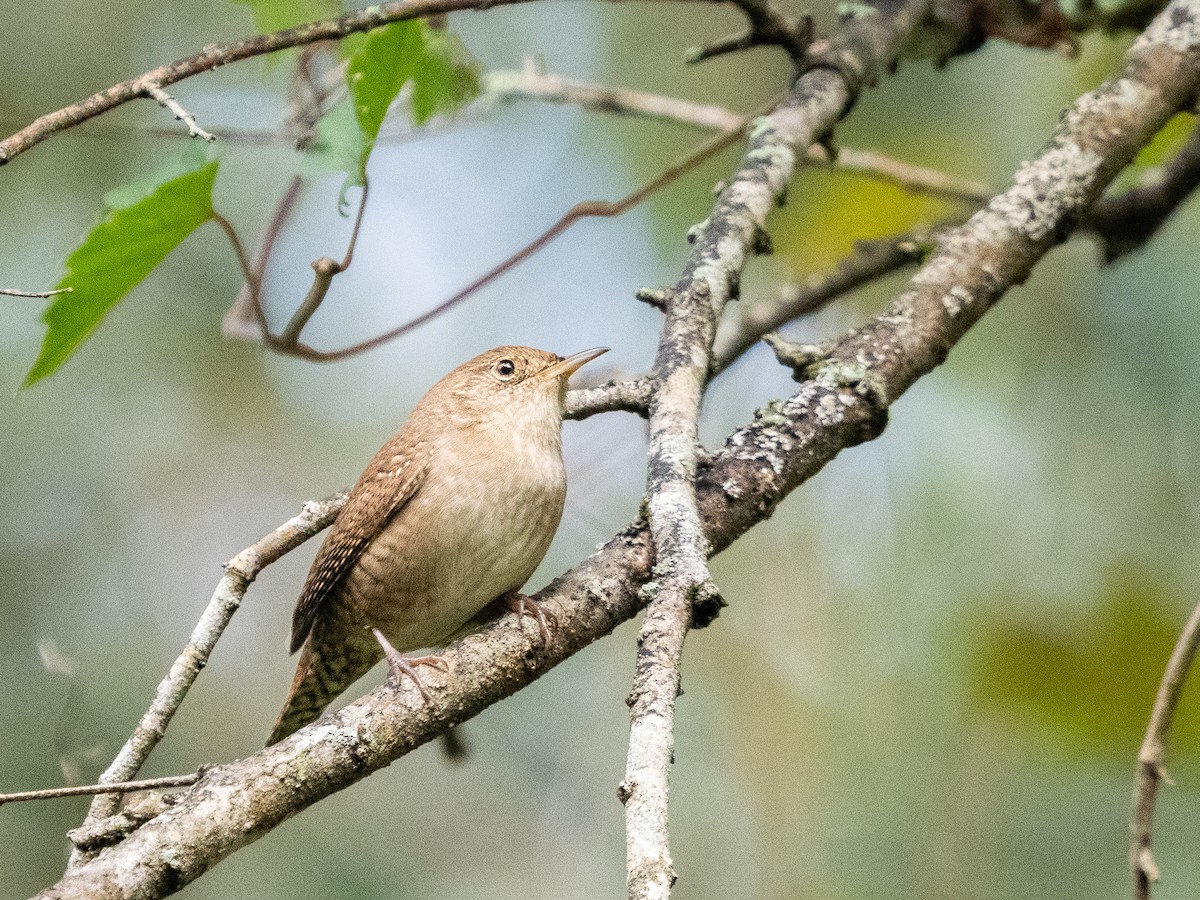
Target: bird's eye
[506, 368]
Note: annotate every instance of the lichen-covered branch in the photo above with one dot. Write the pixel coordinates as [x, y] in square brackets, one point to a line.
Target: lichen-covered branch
[683, 592]
[236, 803]
[173, 106]
[628, 396]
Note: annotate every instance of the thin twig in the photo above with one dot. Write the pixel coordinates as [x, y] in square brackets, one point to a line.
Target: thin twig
[239, 573]
[223, 54]
[586, 209]
[531, 84]
[176, 109]
[767, 26]
[913, 178]
[871, 260]
[325, 270]
[41, 295]
[116, 787]
[1150, 771]
[307, 99]
[245, 319]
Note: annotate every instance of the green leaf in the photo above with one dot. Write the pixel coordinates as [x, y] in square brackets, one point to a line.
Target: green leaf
[118, 254]
[275, 15]
[376, 73]
[443, 77]
[446, 80]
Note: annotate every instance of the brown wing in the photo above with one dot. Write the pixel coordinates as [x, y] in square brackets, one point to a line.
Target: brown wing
[390, 481]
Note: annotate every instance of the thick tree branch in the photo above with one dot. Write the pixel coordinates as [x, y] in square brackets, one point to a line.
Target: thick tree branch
[683, 591]
[1150, 772]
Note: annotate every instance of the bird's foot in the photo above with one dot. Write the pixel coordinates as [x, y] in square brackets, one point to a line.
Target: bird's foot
[399, 664]
[523, 605]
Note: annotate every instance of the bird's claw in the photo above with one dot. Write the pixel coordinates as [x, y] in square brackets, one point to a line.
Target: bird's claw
[523, 605]
[400, 665]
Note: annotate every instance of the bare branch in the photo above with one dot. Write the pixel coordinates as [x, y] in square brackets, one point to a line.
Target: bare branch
[40, 295]
[1150, 772]
[245, 319]
[223, 54]
[116, 787]
[176, 109]
[531, 84]
[870, 260]
[767, 26]
[324, 269]
[308, 96]
[94, 837]
[239, 573]
[628, 396]
[912, 178]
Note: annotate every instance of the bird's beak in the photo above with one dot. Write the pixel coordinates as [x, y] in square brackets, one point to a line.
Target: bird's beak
[565, 368]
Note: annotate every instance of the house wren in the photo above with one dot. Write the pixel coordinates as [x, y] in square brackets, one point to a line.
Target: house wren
[455, 511]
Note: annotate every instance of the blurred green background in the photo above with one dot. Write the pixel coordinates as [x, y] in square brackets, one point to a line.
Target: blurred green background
[939, 655]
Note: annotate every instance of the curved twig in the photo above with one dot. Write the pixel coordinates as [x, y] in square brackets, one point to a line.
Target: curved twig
[1150, 771]
[1126, 222]
[870, 260]
[583, 210]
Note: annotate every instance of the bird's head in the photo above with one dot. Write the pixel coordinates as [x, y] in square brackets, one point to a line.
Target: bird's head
[520, 384]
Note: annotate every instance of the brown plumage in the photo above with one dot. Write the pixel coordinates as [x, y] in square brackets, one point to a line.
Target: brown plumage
[453, 512]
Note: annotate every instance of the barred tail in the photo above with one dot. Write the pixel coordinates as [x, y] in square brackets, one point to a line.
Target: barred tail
[333, 658]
